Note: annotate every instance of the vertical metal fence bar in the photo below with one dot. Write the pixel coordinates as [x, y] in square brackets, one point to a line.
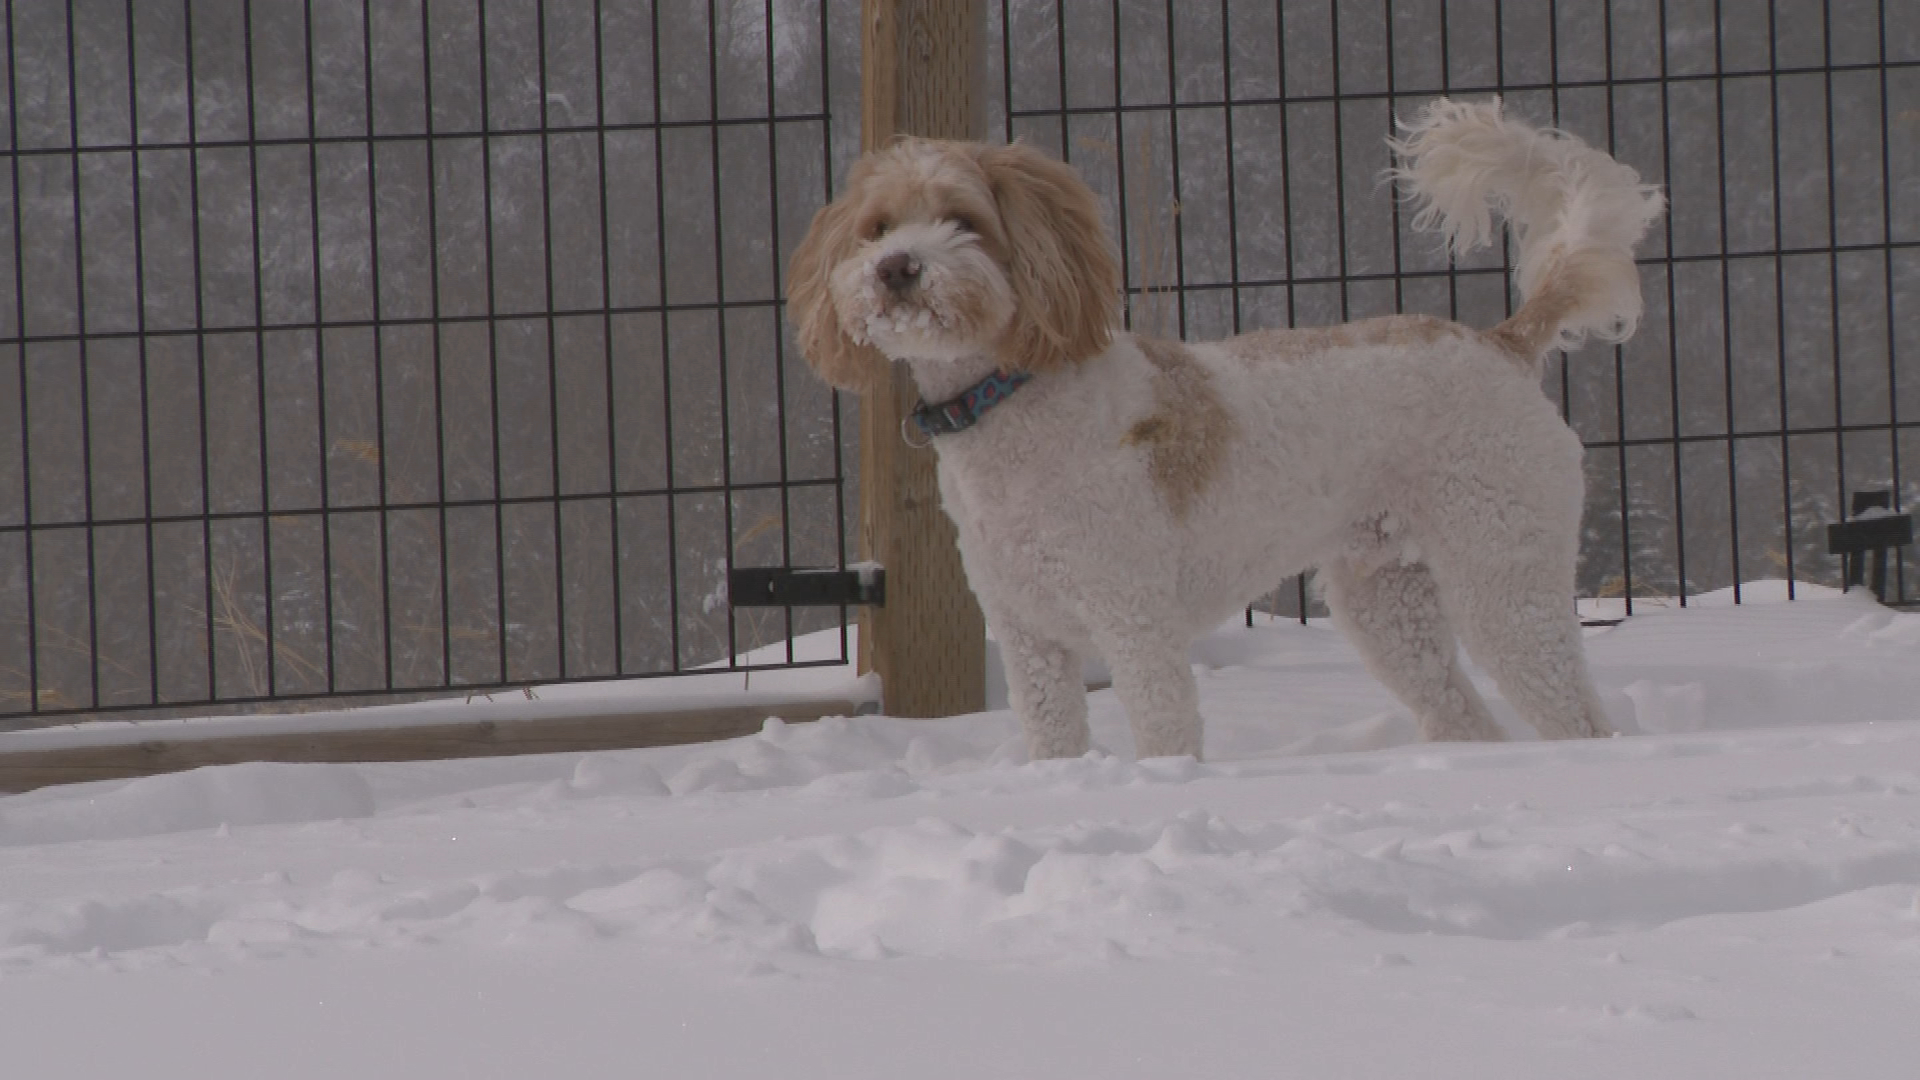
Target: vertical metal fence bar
[1619, 352]
[553, 359]
[1833, 271]
[1886, 253]
[200, 359]
[383, 495]
[1499, 42]
[1233, 203]
[1726, 294]
[1006, 74]
[1066, 134]
[1339, 168]
[1286, 215]
[1119, 168]
[1780, 294]
[779, 307]
[1509, 287]
[1342, 255]
[260, 354]
[319, 348]
[606, 340]
[839, 449]
[1446, 88]
[1553, 62]
[493, 350]
[140, 344]
[85, 373]
[720, 309]
[1233, 195]
[1673, 324]
[1175, 212]
[20, 322]
[666, 342]
[1339, 202]
[432, 140]
[1393, 103]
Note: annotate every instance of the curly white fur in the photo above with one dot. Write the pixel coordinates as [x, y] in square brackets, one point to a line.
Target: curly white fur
[1136, 492]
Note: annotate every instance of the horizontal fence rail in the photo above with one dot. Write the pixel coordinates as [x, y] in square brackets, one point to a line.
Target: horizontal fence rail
[384, 349]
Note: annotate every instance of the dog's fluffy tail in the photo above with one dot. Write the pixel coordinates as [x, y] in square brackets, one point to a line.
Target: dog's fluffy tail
[1576, 216]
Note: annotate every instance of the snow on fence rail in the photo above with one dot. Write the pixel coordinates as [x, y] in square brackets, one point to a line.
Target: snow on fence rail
[356, 349]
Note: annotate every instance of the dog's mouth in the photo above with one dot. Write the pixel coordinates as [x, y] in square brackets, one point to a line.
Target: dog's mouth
[907, 318]
[916, 315]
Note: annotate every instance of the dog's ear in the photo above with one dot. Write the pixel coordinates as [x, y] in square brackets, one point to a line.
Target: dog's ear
[1064, 275]
[830, 240]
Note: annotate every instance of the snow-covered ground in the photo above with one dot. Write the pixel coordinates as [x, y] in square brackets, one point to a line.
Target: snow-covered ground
[1730, 890]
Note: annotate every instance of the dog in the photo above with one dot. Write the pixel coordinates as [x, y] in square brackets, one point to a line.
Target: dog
[1120, 494]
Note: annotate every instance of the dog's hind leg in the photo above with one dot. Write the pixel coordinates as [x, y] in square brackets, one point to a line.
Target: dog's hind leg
[1047, 692]
[1392, 615]
[1516, 616]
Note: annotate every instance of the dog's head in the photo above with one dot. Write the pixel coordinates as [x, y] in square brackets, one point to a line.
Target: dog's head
[949, 250]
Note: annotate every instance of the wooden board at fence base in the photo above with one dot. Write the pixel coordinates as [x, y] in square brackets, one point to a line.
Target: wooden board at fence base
[25, 770]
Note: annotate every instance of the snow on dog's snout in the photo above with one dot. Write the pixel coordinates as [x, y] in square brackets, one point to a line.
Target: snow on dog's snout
[959, 299]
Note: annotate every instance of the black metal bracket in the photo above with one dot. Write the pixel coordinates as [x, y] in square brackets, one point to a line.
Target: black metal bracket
[787, 586]
[1874, 529]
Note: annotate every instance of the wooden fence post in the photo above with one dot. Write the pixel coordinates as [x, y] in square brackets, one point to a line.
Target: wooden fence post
[923, 73]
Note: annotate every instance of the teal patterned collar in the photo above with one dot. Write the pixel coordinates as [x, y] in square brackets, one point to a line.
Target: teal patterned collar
[960, 413]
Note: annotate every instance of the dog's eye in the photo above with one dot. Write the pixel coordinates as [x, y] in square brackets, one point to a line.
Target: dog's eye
[964, 224]
[879, 228]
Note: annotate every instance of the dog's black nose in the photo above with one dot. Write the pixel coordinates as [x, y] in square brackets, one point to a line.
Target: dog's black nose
[898, 272]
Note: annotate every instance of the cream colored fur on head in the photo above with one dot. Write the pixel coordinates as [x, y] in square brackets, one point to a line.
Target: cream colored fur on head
[1136, 492]
[1010, 243]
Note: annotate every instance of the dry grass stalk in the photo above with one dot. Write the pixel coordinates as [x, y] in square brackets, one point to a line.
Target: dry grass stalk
[1153, 231]
[250, 638]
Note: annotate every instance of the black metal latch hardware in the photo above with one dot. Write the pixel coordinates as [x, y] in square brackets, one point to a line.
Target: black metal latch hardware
[1874, 528]
[787, 586]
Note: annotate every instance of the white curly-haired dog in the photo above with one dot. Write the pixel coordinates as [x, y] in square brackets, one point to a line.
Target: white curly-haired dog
[1123, 494]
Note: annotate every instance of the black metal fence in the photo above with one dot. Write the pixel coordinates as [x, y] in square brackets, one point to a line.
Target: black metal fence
[390, 348]
[372, 348]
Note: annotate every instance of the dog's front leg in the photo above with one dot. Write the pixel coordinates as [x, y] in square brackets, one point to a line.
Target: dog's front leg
[1155, 683]
[1047, 691]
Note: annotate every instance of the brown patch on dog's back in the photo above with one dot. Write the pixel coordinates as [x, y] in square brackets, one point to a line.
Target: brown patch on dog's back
[1296, 343]
[1187, 433]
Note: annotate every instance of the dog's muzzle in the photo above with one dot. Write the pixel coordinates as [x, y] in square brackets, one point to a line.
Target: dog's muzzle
[899, 272]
